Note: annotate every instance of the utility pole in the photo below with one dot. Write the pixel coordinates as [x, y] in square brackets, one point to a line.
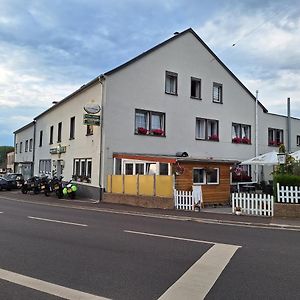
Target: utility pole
[256, 134]
[288, 125]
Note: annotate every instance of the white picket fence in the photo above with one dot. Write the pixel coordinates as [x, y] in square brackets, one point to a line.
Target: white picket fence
[186, 199]
[253, 204]
[288, 194]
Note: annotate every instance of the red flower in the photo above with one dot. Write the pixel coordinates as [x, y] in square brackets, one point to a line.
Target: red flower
[157, 132]
[142, 130]
[237, 140]
[245, 140]
[214, 137]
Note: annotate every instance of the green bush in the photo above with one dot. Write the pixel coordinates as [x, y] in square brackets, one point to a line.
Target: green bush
[285, 180]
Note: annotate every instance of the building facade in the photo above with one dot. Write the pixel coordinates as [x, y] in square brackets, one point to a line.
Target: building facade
[177, 98]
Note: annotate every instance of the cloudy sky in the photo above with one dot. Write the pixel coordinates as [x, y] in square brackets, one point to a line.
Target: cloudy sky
[49, 48]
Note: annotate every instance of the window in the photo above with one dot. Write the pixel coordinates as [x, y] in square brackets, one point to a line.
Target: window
[89, 130]
[207, 129]
[128, 169]
[217, 92]
[149, 123]
[59, 128]
[41, 138]
[163, 169]
[139, 168]
[195, 88]
[72, 128]
[171, 83]
[198, 176]
[16, 148]
[45, 166]
[21, 146]
[241, 134]
[212, 176]
[26, 146]
[82, 169]
[51, 135]
[298, 140]
[30, 145]
[275, 137]
[206, 175]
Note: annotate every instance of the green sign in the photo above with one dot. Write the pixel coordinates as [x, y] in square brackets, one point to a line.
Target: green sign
[91, 117]
[91, 122]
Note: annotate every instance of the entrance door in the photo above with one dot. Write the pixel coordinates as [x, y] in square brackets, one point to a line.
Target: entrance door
[59, 168]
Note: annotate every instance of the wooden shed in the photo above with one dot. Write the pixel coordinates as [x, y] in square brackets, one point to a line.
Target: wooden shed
[212, 175]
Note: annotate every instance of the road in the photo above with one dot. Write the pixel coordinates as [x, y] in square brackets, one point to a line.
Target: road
[56, 252]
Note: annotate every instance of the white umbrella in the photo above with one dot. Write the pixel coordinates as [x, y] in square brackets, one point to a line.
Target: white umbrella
[296, 155]
[269, 158]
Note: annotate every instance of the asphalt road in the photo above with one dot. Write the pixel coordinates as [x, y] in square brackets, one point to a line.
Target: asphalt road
[97, 253]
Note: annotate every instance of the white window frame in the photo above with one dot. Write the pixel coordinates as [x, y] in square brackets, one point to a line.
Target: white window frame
[134, 162]
[204, 133]
[80, 160]
[219, 88]
[205, 177]
[45, 166]
[171, 83]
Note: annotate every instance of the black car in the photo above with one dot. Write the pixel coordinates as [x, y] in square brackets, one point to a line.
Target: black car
[5, 184]
[16, 179]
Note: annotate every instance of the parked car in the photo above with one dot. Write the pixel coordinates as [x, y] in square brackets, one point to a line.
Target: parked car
[16, 179]
[5, 184]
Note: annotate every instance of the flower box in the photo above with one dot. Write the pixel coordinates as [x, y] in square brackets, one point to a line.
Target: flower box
[236, 140]
[159, 132]
[142, 130]
[245, 140]
[214, 137]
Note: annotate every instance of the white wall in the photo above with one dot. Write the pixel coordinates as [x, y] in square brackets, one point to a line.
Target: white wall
[141, 85]
[24, 135]
[82, 146]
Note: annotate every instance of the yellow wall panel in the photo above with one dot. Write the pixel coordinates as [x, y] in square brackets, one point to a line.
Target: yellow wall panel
[146, 185]
[117, 184]
[109, 183]
[130, 184]
[164, 186]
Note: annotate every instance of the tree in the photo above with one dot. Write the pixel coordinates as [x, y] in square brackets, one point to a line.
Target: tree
[3, 152]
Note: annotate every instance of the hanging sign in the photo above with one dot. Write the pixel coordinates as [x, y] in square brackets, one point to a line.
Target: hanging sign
[92, 108]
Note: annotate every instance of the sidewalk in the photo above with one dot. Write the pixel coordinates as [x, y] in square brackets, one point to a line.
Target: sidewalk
[208, 215]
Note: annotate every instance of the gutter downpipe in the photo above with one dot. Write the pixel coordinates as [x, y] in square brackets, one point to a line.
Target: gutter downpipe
[288, 125]
[256, 134]
[101, 79]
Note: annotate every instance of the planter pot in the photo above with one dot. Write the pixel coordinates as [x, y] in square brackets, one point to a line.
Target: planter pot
[238, 212]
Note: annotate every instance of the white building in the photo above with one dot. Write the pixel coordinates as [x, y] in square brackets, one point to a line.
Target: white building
[176, 97]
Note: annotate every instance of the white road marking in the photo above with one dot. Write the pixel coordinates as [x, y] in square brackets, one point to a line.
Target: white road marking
[57, 221]
[200, 278]
[167, 217]
[46, 287]
[197, 281]
[174, 238]
[1, 212]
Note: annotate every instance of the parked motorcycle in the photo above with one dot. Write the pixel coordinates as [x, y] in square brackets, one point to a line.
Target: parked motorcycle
[70, 189]
[31, 184]
[54, 185]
